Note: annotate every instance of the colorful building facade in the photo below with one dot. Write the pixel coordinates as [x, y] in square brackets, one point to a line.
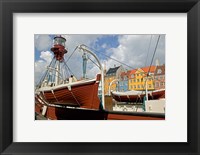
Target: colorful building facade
[111, 75]
[123, 81]
[159, 77]
[138, 79]
[119, 80]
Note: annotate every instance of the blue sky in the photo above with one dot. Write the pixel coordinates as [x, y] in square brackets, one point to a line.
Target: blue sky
[104, 43]
[100, 45]
[133, 50]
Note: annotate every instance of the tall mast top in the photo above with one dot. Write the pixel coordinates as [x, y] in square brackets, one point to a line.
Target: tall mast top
[59, 48]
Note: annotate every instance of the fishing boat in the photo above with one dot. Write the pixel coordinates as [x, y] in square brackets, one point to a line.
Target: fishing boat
[136, 96]
[60, 87]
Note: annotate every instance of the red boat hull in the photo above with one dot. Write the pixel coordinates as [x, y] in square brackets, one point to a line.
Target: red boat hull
[84, 95]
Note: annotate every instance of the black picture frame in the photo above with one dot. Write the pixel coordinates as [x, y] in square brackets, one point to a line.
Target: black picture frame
[8, 7]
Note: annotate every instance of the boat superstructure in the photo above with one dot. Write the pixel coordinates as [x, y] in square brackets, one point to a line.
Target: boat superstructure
[59, 86]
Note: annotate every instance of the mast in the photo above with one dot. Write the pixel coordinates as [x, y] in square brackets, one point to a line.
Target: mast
[53, 74]
[146, 91]
[59, 50]
[85, 49]
[85, 58]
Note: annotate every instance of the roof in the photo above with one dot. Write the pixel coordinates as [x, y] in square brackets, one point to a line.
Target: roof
[132, 72]
[112, 70]
[146, 69]
[123, 74]
[162, 70]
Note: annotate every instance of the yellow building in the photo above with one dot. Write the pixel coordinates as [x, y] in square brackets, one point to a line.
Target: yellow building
[112, 74]
[138, 78]
[107, 81]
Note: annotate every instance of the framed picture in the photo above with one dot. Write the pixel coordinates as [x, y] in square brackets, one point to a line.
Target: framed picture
[113, 24]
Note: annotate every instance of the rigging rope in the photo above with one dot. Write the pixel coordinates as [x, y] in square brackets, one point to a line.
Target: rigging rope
[45, 74]
[68, 68]
[94, 62]
[75, 98]
[110, 57]
[151, 62]
[148, 50]
[154, 54]
[71, 54]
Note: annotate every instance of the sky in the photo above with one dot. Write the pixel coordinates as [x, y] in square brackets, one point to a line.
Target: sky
[133, 51]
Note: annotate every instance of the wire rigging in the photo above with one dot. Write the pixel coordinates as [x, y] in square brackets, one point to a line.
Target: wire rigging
[110, 57]
[153, 55]
[71, 54]
[148, 51]
[151, 62]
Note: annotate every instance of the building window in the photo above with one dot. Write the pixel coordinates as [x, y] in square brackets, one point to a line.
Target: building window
[138, 80]
[157, 84]
[162, 83]
[159, 71]
[134, 80]
[132, 76]
[149, 86]
[134, 86]
[138, 86]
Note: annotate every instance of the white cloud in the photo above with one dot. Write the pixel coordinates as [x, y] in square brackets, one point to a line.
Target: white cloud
[41, 64]
[104, 45]
[43, 42]
[47, 56]
[133, 51]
